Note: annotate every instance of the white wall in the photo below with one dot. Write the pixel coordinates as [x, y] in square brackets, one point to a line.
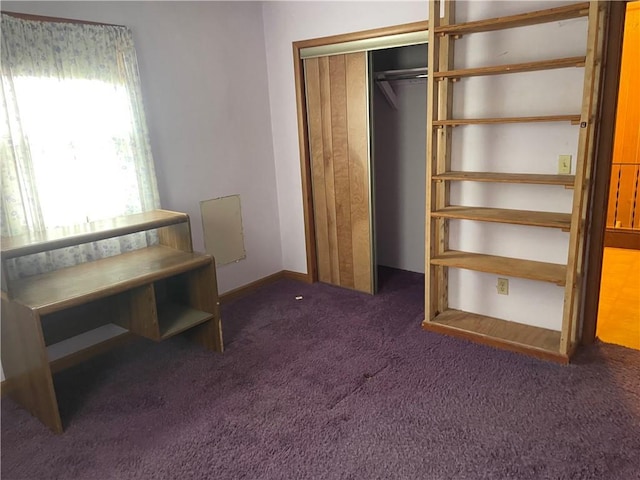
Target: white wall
[204, 83]
[287, 22]
[399, 153]
[530, 148]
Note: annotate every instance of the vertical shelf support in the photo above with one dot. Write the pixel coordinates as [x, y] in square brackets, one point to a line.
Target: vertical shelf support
[439, 105]
[570, 333]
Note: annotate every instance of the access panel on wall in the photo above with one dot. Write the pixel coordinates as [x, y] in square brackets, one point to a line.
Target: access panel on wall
[338, 117]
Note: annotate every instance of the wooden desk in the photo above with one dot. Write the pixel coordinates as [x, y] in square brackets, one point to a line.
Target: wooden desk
[58, 319]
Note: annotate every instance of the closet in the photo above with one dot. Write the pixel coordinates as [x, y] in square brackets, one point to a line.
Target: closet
[399, 122]
[366, 116]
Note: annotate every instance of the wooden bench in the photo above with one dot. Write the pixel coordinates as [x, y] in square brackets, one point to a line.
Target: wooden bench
[57, 319]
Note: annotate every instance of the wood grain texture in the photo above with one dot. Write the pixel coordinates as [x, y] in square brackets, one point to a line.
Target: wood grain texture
[143, 312]
[515, 267]
[83, 283]
[598, 12]
[432, 287]
[176, 236]
[329, 168]
[445, 59]
[25, 364]
[302, 115]
[513, 68]
[520, 20]
[602, 169]
[316, 148]
[359, 177]
[500, 215]
[37, 242]
[305, 164]
[533, 341]
[337, 107]
[525, 178]
[202, 292]
[574, 119]
[364, 34]
[340, 158]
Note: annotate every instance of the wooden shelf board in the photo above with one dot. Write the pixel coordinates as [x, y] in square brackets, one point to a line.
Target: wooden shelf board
[521, 20]
[515, 267]
[174, 319]
[75, 349]
[513, 68]
[500, 215]
[90, 232]
[574, 119]
[530, 178]
[534, 341]
[82, 283]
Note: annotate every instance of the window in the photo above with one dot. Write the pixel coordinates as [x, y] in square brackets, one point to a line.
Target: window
[73, 139]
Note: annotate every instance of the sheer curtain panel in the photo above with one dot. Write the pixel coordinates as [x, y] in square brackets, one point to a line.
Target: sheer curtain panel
[74, 143]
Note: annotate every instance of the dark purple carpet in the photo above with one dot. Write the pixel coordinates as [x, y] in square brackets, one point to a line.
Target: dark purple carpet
[338, 385]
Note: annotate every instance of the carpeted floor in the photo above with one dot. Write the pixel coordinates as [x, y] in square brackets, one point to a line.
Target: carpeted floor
[338, 385]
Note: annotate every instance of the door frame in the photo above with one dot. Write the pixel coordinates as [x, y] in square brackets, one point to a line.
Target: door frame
[599, 195]
[303, 137]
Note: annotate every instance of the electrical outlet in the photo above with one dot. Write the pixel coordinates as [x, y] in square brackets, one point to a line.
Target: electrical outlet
[503, 286]
[564, 164]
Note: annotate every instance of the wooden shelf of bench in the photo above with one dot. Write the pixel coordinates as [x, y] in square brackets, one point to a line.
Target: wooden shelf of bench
[573, 119]
[502, 215]
[512, 21]
[528, 178]
[91, 232]
[534, 341]
[68, 287]
[73, 350]
[174, 318]
[512, 68]
[60, 318]
[514, 267]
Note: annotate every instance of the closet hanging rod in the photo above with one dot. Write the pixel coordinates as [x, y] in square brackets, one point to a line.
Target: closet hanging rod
[401, 74]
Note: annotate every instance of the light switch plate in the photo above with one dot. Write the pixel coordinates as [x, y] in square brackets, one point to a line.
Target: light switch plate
[564, 164]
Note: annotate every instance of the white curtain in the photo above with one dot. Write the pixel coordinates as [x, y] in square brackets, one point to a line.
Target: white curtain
[74, 144]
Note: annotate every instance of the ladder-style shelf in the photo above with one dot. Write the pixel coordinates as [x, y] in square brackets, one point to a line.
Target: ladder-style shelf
[516, 267]
[557, 345]
[573, 119]
[494, 177]
[504, 215]
[513, 68]
[512, 21]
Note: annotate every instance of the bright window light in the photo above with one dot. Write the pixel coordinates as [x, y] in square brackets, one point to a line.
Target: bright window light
[80, 134]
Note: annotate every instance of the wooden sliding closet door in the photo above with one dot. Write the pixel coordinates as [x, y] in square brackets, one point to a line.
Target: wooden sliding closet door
[338, 116]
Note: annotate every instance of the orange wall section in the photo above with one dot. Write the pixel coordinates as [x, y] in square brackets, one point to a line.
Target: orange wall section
[623, 192]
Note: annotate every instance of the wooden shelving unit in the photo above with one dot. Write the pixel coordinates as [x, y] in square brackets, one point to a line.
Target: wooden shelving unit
[58, 319]
[503, 333]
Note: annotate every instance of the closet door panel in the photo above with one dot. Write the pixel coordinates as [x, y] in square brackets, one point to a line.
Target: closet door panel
[340, 140]
[327, 140]
[337, 107]
[314, 102]
[358, 141]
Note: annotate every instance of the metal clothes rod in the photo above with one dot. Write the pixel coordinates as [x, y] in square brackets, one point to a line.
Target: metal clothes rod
[401, 74]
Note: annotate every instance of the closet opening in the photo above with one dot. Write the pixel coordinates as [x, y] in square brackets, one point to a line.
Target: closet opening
[336, 88]
[398, 96]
